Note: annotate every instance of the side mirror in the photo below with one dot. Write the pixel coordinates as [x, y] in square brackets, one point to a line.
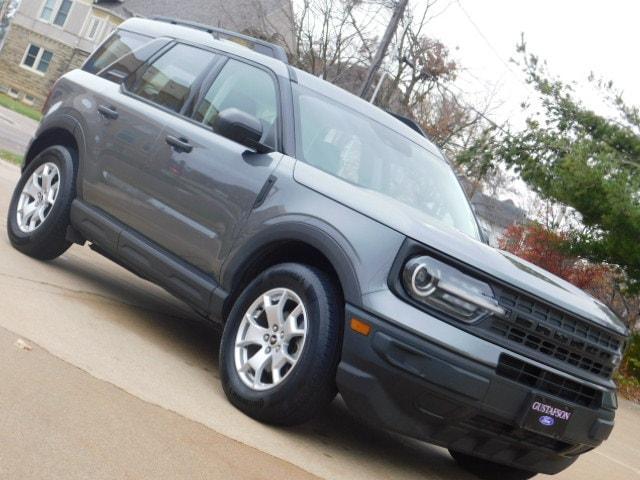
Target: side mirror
[241, 127]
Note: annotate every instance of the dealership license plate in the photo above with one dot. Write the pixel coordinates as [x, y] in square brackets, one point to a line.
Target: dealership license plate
[547, 417]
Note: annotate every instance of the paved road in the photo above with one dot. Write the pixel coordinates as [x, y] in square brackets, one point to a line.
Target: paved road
[15, 131]
[120, 376]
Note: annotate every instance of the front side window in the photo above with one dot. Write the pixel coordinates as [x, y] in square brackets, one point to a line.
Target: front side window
[169, 80]
[247, 88]
[56, 11]
[372, 156]
[121, 43]
[37, 58]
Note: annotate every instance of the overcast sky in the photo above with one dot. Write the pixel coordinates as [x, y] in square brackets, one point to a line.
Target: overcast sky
[576, 37]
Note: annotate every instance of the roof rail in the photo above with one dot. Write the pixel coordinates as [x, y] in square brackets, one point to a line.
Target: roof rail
[408, 122]
[260, 46]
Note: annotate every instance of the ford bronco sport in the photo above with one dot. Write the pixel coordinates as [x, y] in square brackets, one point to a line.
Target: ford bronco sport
[331, 239]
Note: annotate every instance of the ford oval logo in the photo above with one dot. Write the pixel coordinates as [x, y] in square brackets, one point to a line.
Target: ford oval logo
[547, 421]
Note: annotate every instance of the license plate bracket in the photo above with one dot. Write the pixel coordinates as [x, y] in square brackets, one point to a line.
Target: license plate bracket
[546, 416]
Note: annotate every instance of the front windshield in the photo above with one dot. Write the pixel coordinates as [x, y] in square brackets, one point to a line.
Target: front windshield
[355, 148]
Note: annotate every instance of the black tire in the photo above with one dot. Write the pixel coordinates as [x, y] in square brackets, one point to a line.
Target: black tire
[310, 385]
[48, 241]
[486, 470]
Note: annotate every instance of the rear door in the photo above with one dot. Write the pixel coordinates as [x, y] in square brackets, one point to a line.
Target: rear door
[206, 184]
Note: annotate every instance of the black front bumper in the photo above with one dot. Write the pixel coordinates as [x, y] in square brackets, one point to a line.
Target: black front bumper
[397, 381]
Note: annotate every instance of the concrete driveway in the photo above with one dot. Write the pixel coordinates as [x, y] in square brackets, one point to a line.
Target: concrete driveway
[15, 131]
[111, 378]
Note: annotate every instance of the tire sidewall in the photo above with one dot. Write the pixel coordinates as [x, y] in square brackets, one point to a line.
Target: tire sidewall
[63, 159]
[307, 288]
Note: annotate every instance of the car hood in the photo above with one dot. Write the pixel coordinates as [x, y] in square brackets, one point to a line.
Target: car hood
[497, 263]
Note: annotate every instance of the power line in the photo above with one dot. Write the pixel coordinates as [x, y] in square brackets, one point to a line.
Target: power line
[486, 39]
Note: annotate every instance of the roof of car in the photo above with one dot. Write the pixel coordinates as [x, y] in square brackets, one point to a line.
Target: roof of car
[155, 28]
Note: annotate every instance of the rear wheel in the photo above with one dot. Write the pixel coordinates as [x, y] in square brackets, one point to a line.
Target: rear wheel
[281, 344]
[487, 470]
[39, 211]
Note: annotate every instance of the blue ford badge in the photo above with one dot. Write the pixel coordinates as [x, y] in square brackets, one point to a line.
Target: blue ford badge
[547, 421]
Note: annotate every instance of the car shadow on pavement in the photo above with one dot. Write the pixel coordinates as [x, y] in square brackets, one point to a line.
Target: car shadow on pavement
[164, 320]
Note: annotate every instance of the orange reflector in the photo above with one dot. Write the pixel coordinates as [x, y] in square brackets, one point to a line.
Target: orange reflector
[360, 327]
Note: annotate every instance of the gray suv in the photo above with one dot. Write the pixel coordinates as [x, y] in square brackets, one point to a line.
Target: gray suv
[330, 238]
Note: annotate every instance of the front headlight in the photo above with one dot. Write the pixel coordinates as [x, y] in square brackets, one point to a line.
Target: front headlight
[446, 289]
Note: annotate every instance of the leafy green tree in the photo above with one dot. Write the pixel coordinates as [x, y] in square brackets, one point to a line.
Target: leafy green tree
[572, 155]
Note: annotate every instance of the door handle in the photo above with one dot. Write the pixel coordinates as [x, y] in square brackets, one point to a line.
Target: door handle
[179, 144]
[108, 112]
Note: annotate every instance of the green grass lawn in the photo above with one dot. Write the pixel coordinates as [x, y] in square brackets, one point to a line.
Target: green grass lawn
[11, 157]
[19, 107]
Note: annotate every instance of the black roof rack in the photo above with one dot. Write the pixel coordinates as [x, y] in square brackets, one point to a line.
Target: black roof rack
[409, 123]
[260, 46]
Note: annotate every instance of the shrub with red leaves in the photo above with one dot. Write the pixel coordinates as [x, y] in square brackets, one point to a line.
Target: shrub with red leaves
[545, 248]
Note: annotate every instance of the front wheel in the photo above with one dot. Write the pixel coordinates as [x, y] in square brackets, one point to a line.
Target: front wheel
[39, 211]
[487, 470]
[281, 345]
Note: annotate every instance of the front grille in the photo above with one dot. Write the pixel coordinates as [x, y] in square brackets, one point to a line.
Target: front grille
[486, 424]
[532, 326]
[548, 382]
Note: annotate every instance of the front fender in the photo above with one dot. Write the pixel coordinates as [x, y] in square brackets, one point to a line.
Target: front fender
[310, 231]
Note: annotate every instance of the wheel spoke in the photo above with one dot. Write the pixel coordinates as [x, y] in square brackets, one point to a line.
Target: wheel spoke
[258, 363]
[47, 176]
[28, 209]
[273, 311]
[275, 375]
[278, 359]
[53, 194]
[41, 215]
[254, 334]
[291, 328]
[32, 188]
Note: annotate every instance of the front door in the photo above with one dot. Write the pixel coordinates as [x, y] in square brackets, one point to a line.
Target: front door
[207, 184]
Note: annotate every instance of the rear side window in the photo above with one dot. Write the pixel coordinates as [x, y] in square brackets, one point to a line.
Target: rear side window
[170, 79]
[118, 45]
[126, 66]
[247, 88]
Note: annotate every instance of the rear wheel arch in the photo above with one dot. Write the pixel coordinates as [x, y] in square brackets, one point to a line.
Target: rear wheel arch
[63, 131]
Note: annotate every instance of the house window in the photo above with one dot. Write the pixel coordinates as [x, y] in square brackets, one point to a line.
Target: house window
[13, 93]
[29, 100]
[36, 58]
[94, 27]
[56, 11]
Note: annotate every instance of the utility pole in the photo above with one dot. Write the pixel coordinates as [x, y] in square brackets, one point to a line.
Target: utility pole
[384, 46]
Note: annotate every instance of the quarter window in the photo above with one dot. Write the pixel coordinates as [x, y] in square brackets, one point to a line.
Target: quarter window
[247, 88]
[37, 58]
[169, 80]
[117, 46]
[56, 11]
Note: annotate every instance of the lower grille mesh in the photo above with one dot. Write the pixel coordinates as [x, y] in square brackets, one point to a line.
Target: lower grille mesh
[556, 385]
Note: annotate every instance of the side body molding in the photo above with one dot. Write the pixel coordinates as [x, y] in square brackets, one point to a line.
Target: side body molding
[139, 255]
